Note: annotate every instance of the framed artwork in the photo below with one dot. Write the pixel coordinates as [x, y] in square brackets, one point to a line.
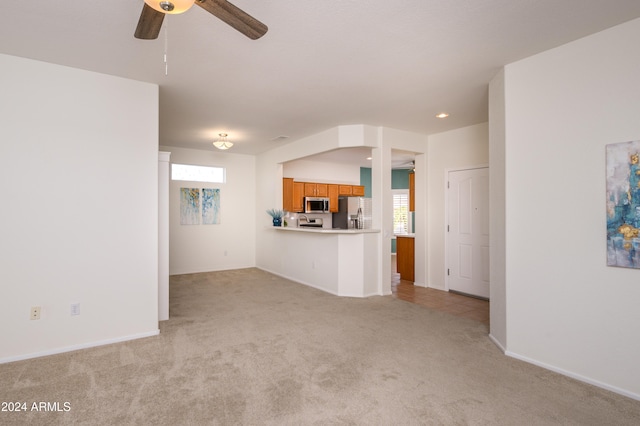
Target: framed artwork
[196, 204]
[189, 206]
[210, 206]
[623, 204]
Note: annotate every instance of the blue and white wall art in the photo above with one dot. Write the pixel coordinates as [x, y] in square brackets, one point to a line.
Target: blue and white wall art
[623, 204]
[189, 206]
[210, 206]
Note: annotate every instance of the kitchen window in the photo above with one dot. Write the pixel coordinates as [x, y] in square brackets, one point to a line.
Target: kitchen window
[401, 216]
[197, 173]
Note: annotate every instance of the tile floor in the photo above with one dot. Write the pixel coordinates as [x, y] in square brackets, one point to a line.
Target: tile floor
[455, 304]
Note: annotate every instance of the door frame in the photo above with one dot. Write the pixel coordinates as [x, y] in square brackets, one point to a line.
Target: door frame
[446, 215]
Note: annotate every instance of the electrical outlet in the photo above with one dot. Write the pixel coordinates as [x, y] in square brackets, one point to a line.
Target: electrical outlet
[35, 312]
[75, 309]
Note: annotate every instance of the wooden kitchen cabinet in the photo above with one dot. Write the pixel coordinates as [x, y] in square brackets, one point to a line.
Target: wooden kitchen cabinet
[405, 253]
[412, 192]
[345, 190]
[309, 189]
[357, 191]
[333, 197]
[351, 190]
[298, 197]
[316, 189]
[292, 195]
[322, 189]
[287, 194]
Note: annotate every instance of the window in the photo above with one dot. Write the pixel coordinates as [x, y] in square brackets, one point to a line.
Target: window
[197, 173]
[401, 216]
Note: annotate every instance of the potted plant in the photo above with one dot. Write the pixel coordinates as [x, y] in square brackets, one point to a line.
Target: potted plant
[277, 216]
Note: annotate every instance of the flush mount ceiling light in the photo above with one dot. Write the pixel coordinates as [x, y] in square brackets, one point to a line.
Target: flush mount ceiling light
[442, 115]
[173, 7]
[222, 142]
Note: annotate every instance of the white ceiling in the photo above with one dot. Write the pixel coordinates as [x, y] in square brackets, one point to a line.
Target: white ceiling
[323, 63]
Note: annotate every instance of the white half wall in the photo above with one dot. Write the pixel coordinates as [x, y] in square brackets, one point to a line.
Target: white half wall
[231, 244]
[457, 149]
[79, 223]
[566, 310]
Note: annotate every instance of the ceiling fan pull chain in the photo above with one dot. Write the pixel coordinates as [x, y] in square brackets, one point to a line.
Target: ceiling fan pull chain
[166, 44]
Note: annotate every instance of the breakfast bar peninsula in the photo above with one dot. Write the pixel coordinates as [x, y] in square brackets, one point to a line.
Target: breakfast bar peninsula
[338, 261]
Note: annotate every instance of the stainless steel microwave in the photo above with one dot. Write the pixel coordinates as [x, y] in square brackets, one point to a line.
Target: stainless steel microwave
[316, 205]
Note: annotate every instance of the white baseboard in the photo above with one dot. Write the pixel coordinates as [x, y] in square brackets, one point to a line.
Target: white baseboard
[203, 269]
[295, 280]
[497, 343]
[579, 377]
[78, 347]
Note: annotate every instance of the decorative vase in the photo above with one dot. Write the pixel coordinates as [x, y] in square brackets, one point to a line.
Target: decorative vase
[277, 221]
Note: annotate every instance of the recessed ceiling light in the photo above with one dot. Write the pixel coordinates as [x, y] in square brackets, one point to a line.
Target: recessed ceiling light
[369, 158]
[442, 115]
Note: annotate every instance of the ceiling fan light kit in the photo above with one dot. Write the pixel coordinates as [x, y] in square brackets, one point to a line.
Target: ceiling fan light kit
[173, 7]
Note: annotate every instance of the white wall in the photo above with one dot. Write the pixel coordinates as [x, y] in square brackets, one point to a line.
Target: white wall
[456, 149]
[317, 171]
[231, 244]
[565, 308]
[497, 185]
[79, 223]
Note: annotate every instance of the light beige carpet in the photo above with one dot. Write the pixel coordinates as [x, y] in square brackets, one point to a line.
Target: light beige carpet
[245, 347]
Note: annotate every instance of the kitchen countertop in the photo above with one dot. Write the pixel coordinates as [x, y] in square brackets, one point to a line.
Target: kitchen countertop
[325, 230]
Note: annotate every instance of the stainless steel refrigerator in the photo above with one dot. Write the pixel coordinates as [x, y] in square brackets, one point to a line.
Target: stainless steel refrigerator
[348, 210]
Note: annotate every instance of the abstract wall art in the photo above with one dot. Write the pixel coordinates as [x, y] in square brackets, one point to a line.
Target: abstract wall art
[189, 206]
[210, 206]
[623, 204]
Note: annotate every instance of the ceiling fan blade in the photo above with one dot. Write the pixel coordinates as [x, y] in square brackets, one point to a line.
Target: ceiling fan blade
[237, 18]
[149, 23]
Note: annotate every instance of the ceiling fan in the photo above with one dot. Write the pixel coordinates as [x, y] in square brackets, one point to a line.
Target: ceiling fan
[153, 12]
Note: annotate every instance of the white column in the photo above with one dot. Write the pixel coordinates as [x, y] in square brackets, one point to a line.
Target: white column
[421, 257]
[163, 235]
[382, 209]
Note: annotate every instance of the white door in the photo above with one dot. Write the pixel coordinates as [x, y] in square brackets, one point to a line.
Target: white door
[468, 232]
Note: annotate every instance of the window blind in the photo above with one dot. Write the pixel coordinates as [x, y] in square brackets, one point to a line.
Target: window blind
[401, 213]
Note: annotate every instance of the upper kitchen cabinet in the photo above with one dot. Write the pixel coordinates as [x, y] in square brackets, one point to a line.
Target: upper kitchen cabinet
[351, 190]
[345, 190]
[412, 192]
[292, 195]
[333, 198]
[316, 189]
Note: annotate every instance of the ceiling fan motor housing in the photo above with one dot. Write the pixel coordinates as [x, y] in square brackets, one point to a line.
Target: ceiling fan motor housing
[167, 6]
